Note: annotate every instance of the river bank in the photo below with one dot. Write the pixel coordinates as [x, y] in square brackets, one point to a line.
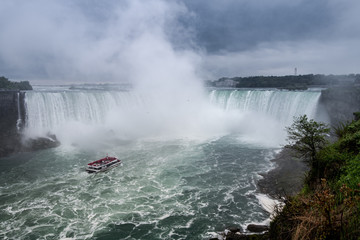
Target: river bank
[286, 178]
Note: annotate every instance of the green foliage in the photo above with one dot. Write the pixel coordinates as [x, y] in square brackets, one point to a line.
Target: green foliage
[331, 161]
[306, 189]
[331, 209]
[350, 138]
[353, 127]
[340, 129]
[356, 116]
[307, 137]
[351, 176]
[351, 143]
[8, 85]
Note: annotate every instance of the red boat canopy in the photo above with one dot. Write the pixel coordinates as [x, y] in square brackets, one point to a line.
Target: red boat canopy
[103, 160]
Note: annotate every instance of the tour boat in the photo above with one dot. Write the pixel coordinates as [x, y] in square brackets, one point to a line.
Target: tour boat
[103, 164]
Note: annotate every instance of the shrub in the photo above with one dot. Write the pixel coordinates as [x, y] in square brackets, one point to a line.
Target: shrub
[351, 177]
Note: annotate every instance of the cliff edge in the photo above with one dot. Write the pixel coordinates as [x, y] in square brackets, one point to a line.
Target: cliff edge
[12, 122]
[340, 103]
[10, 116]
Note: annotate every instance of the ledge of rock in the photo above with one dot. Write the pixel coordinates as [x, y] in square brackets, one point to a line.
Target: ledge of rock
[257, 228]
[40, 143]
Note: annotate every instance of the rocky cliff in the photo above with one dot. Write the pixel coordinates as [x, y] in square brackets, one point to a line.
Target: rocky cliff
[11, 112]
[340, 103]
[12, 121]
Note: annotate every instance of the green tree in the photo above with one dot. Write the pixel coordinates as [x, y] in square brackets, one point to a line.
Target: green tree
[307, 137]
[9, 85]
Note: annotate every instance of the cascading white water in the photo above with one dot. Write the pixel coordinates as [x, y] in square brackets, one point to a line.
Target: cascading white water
[19, 120]
[93, 114]
[47, 111]
[281, 105]
[265, 113]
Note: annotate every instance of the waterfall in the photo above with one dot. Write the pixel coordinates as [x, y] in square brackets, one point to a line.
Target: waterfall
[85, 115]
[281, 105]
[46, 111]
[19, 120]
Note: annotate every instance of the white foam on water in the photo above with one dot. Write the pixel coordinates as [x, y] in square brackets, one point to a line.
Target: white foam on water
[269, 204]
[159, 182]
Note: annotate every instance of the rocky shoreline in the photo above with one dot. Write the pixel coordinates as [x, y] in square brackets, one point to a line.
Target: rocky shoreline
[286, 179]
[253, 232]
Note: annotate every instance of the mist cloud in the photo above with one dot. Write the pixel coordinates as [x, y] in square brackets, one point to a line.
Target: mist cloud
[64, 40]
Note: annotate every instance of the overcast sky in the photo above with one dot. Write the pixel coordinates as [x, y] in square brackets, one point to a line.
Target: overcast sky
[115, 40]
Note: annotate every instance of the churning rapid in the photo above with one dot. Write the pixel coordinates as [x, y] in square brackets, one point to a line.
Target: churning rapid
[190, 167]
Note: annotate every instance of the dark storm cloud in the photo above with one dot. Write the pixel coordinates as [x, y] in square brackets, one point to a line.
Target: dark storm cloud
[262, 37]
[239, 25]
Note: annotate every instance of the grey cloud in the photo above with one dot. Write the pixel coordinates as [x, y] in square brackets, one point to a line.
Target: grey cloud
[240, 25]
[337, 57]
[274, 37]
[90, 40]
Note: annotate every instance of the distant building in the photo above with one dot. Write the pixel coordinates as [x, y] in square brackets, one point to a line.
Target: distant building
[225, 82]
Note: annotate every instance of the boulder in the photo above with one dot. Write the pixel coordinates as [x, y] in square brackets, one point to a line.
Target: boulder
[234, 229]
[257, 228]
[41, 143]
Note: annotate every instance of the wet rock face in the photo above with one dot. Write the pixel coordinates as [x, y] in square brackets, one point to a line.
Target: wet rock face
[257, 228]
[235, 229]
[40, 143]
[341, 103]
[8, 111]
[9, 136]
[12, 108]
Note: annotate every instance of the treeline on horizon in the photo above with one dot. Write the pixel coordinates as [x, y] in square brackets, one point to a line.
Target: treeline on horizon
[5, 84]
[288, 82]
